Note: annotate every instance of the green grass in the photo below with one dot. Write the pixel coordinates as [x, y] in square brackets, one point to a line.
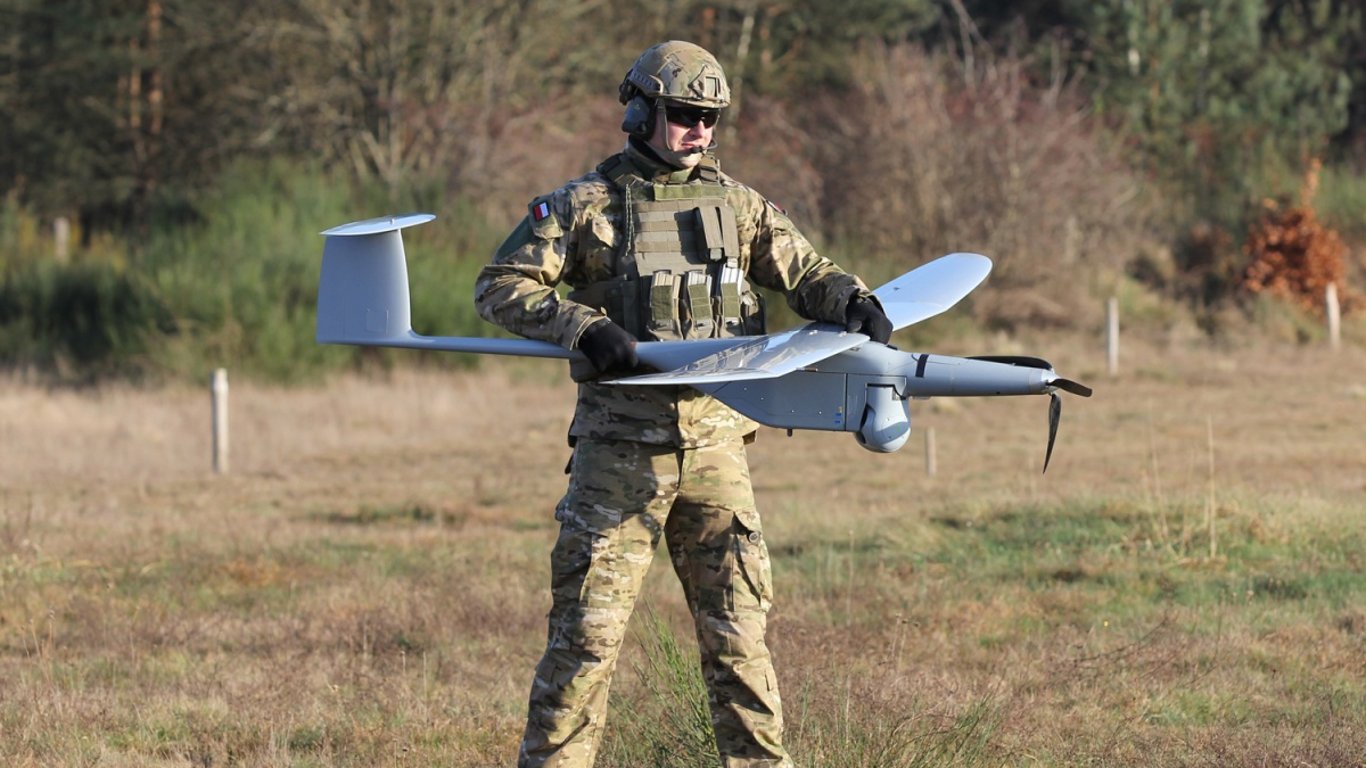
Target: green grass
[1260, 634]
[1197, 640]
[667, 723]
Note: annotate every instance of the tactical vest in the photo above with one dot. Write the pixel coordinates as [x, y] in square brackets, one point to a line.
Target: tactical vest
[680, 248]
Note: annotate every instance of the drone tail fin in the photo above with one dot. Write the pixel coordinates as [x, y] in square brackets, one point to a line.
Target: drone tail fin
[363, 290]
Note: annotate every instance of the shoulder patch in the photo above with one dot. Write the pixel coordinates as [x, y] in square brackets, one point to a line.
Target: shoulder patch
[544, 223]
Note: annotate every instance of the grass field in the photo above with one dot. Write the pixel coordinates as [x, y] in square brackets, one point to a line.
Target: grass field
[367, 586]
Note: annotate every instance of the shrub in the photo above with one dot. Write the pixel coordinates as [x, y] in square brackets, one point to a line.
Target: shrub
[1293, 256]
[85, 320]
[929, 156]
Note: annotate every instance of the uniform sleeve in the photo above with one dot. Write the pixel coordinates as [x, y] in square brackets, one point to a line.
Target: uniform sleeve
[517, 290]
[783, 260]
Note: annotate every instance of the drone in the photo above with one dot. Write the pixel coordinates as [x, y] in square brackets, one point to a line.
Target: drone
[816, 376]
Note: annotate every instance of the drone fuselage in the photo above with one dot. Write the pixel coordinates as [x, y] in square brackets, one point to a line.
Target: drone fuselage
[866, 390]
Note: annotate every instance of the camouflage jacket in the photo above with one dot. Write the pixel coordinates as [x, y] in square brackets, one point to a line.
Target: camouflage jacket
[577, 244]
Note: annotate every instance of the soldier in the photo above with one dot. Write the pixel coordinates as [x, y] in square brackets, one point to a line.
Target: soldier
[658, 243]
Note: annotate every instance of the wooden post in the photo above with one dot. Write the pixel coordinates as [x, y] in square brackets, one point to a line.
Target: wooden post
[61, 239]
[220, 421]
[1112, 335]
[931, 460]
[1211, 511]
[1334, 313]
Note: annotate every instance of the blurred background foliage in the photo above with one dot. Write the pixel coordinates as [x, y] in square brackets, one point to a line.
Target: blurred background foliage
[1142, 148]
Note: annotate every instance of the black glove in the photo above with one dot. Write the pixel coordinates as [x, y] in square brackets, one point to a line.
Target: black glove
[609, 347]
[863, 315]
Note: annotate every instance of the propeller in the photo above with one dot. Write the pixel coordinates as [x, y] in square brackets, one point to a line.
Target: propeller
[1054, 415]
[1055, 410]
[1054, 384]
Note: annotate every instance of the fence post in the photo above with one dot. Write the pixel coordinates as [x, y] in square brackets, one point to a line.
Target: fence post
[1334, 313]
[61, 239]
[931, 460]
[1112, 335]
[220, 421]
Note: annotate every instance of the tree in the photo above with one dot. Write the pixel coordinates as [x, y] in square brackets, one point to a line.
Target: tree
[117, 107]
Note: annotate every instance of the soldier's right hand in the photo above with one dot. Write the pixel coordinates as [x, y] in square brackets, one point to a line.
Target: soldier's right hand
[609, 347]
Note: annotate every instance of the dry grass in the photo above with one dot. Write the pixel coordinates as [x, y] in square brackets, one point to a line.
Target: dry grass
[367, 587]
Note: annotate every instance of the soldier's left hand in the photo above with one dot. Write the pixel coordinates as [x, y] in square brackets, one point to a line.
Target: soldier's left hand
[863, 315]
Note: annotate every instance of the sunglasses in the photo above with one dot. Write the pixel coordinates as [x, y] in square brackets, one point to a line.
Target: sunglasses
[689, 117]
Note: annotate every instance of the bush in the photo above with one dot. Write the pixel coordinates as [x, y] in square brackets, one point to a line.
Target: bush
[237, 289]
[929, 156]
[83, 321]
[1293, 256]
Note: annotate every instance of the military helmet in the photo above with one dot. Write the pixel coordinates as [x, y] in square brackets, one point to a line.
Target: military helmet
[677, 71]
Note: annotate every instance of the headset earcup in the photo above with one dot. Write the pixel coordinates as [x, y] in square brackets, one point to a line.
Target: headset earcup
[639, 118]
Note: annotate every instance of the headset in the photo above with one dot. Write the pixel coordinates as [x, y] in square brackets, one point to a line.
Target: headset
[639, 120]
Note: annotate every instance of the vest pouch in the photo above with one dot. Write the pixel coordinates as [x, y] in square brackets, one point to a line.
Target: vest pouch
[728, 292]
[698, 322]
[662, 321]
[717, 232]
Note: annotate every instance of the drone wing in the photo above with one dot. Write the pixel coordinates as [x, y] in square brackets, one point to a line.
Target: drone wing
[932, 288]
[917, 295]
[762, 357]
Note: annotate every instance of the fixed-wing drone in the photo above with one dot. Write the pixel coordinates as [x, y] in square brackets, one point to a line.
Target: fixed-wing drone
[816, 376]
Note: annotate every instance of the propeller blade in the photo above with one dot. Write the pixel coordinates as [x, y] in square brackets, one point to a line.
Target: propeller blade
[1020, 360]
[1054, 416]
[1067, 385]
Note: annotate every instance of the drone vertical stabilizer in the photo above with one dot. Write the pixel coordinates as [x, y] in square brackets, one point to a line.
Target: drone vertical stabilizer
[363, 291]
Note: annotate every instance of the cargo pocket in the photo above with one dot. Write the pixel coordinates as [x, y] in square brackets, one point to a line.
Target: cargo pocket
[580, 583]
[570, 562]
[752, 585]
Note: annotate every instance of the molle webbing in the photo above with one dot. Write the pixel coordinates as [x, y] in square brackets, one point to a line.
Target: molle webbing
[681, 252]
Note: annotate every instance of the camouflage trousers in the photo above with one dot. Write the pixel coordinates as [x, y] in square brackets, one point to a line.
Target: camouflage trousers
[622, 496]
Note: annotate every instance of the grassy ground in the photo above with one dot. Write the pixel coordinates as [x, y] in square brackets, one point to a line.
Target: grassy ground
[1185, 586]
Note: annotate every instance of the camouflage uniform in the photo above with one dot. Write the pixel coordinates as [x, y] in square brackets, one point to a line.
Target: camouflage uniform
[651, 460]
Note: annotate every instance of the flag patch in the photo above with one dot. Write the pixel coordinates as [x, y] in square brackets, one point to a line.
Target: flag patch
[540, 211]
